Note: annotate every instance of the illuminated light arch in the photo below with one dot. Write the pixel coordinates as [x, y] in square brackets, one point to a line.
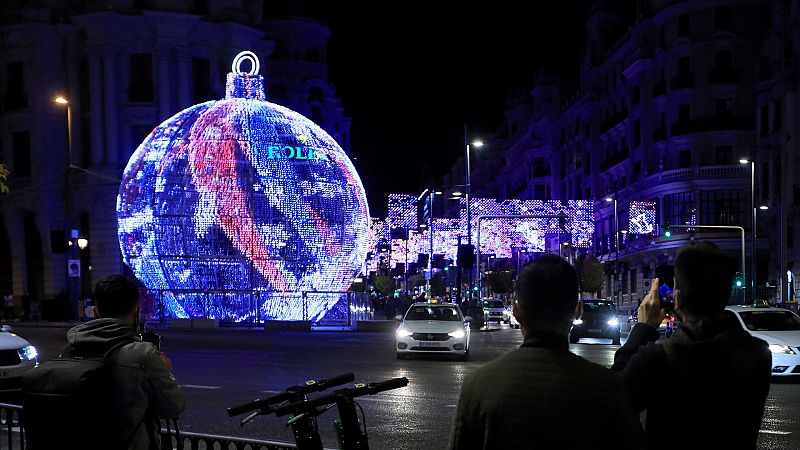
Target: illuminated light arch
[236, 207]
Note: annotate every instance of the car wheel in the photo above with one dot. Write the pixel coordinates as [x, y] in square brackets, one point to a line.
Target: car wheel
[573, 339]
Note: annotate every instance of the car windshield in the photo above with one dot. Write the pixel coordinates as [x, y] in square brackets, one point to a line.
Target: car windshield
[598, 308]
[770, 320]
[444, 313]
[492, 303]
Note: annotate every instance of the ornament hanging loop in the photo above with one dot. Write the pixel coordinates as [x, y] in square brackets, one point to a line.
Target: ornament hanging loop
[247, 55]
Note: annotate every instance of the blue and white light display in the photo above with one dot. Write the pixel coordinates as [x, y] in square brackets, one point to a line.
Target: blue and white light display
[234, 208]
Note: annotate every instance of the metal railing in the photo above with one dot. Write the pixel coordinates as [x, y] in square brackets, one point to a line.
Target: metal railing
[12, 436]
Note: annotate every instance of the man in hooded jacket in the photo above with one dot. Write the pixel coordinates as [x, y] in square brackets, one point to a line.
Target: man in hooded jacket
[706, 386]
[143, 385]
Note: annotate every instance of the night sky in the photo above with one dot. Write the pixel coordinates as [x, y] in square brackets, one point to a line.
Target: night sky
[410, 74]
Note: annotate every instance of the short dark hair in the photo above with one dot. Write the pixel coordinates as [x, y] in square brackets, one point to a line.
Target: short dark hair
[704, 276]
[547, 289]
[115, 295]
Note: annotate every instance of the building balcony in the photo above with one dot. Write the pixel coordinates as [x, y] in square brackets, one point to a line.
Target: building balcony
[699, 172]
[713, 124]
[659, 88]
[613, 160]
[682, 81]
[722, 77]
[612, 121]
[659, 134]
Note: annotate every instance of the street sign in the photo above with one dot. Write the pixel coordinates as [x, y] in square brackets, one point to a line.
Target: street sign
[74, 268]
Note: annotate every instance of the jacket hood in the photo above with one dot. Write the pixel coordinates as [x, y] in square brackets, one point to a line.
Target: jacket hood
[100, 335]
[709, 347]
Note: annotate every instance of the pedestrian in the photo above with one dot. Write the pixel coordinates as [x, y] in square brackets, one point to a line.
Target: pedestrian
[142, 387]
[706, 386]
[540, 395]
[8, 306]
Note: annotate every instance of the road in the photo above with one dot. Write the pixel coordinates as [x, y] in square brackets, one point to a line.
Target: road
[224, 367]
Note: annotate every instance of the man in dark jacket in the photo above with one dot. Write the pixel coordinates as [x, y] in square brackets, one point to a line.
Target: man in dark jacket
[541, 395]
[706, 386]
[144, 387]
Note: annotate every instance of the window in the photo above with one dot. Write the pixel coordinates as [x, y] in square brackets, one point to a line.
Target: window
[777, 121]
[637, 94]
[633, 281]
[679, 208]
[141, 87]
[685, 158]
[637, 132]
[723, 18]
[625, 281]
[683, 67]
[722, 207]
[724, 155]
[684, 113]
[21, 151]
[790, 236]
[201, 80]
[723, 61]
[684, 25]
[724, 108]
[763, 121]
[16, 97]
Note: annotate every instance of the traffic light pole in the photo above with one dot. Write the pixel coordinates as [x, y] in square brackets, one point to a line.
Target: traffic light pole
[720, 227]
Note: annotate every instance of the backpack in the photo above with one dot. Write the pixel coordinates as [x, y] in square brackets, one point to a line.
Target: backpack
[68, 403]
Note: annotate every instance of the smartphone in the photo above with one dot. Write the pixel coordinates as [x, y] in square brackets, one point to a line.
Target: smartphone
[666, 279]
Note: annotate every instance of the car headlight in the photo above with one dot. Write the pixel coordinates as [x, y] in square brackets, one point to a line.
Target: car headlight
[778, 348]
[577, 322]
[403, 333]
[613, 322]
[458, 334]
[27, 353]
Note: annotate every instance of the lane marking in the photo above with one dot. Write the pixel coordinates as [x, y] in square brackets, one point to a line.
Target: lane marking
[199, 386]
[774, 432]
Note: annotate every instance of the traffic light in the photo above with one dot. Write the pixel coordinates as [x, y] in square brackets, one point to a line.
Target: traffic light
[667, 231]
[738, 281]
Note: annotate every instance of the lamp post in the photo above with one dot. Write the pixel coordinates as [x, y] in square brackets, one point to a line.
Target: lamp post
[468, 196]
[73, 240]
[617, 289]
[753, 230]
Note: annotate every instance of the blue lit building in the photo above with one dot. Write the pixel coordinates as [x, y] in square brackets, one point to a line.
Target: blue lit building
[669, 99]
[125, 66]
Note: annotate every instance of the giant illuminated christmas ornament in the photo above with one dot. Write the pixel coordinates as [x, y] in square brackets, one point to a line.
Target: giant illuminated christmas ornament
[241, 209]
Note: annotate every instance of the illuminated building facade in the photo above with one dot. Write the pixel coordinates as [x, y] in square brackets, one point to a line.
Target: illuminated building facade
[665, 108]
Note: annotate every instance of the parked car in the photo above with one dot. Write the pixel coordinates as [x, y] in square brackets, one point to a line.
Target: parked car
[596, 319]
[779, 327]
[433, 328]
[17, 356]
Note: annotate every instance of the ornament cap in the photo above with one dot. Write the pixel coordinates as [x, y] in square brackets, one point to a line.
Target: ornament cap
[248, 85]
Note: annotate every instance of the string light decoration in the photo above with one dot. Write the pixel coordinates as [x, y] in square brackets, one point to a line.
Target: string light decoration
[642, 218]
[239, 207]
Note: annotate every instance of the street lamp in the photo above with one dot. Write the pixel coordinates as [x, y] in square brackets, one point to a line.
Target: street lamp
[616, 249]
[476, 144]
[73, 237]
[753, 230]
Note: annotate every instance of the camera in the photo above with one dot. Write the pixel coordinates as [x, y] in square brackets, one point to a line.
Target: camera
[666, 279]
[147, 335]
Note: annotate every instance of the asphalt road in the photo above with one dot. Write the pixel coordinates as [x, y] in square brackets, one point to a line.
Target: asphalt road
[223, 368]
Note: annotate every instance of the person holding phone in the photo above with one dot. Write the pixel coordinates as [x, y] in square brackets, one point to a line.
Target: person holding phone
[706, 386]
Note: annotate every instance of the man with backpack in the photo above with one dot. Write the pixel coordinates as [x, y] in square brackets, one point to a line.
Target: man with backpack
[108, 389]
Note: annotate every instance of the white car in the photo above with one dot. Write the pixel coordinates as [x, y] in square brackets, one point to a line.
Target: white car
[430, 328]
[16, 357]
[779, 327]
